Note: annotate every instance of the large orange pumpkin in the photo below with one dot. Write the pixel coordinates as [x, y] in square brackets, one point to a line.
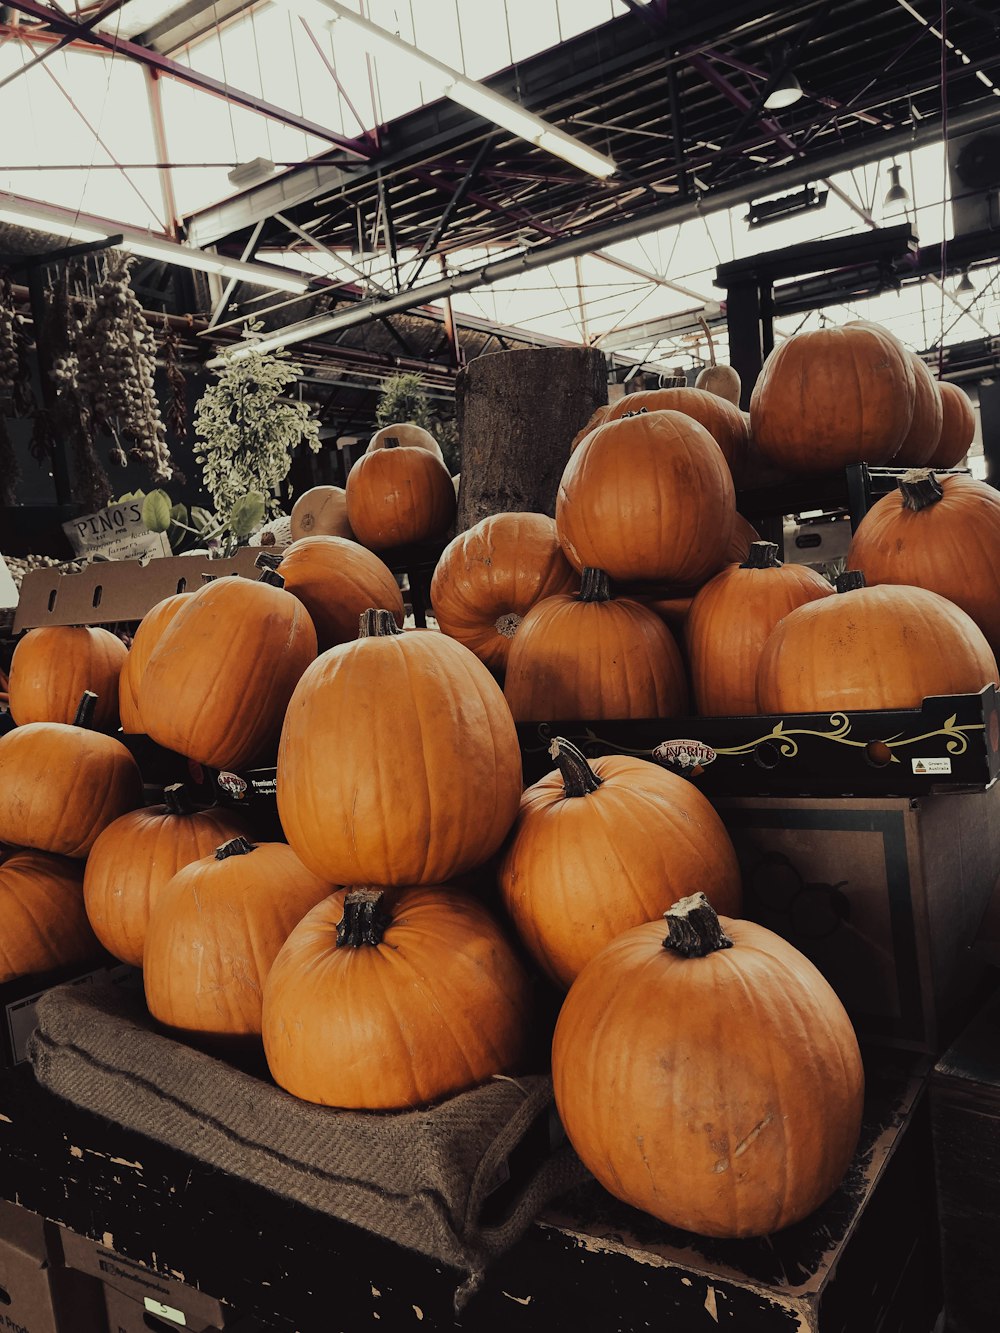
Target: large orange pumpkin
[399, 494]
[60, 786]
[147, 636]
[711, 1078]
[829, 397]
[590, 656]
[600, 847]
[723, 421]
[887, 647]
[52, 667]
[647, 497]
[399, 761]
[406, 433]
[491, 575]
[137, 855]
[390, 999]
[958, 426]
[924, 435]
[41, 908]
[335, 580]
[219, 678]
[729, 623]
[942, 534]
[215, 929]
[321, 512]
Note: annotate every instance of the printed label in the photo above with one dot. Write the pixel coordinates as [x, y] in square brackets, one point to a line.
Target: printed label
[233, 785]
[265, 786]
[164, 1311]
[936, 765]
[116, 533]
[684, 754]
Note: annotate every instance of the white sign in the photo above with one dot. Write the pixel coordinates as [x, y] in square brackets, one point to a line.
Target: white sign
[115, 533]
[8, 588]
[936, 765]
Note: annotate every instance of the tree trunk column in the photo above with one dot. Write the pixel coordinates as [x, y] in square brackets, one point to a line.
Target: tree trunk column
[517, 415]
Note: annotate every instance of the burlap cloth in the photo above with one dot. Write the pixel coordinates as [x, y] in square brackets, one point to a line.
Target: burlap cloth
[427, 1180]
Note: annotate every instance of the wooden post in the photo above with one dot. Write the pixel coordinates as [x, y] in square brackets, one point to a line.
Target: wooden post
[517, 415]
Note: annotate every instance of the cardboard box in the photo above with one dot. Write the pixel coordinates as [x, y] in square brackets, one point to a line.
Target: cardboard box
[885, 896]
[19, 997]
[125, 1315]
[36, 1295]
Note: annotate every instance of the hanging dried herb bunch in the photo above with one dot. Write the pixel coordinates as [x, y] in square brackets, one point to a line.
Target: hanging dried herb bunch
[177, 418]
[71, 418]
[15, 370]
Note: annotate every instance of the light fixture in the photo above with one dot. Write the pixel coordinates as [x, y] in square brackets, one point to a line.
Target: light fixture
[61, 222]
[250, 173]
[966, 287]
[786, 92]
[897, 192]
[763, 211]
[443, 81]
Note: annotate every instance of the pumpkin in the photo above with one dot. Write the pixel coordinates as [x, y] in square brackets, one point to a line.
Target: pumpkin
[924, 435]
[137, 855]
[717, 378]
[710, 1078]
[591, 656]
[398, 495]
[603, 846]
[321, 512]
[41, 907]
[730, 620]
[335, 580]
[220, 676]
[214, 930]
[147, 636]
[391, 999]
[647, 497]
[399, 761]
[408, 434]
[60, 785]
[885, 647]
[721, 419]
[52, 667]
[491, 575]
[597, 418]
[958, 426]
[828, 397]
[672, 601]
[939, 533]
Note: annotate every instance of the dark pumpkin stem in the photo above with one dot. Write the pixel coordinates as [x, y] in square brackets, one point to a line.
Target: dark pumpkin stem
[84, 716]
[364, 921]
[272, 578]
[267, 561]
[763, 555]
[595, 586]
[579, 779]
[377, 624]
[850, 581]
[920, 489]
[236, 847]
[390, 442]
[694, 929]
[177, 799]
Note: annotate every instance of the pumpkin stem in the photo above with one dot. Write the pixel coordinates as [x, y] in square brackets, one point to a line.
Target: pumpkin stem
[84, 716]
[920, 489]
[850, 581]
[390, 442]
[694, 929]
[579, 779]
[236, 847]
[377, 624]
[711, 340]
[177, 799]
[763, 555]
[267, 561]
[595, 586]
[272, 578]
[364, 920]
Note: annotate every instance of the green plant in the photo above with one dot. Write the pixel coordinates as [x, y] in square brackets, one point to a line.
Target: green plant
[219, 536]
[403, 398]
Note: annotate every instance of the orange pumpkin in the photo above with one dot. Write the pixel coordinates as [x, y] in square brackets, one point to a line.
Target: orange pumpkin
[387, 1000]
[887, 647]
[321, 512]
[399, 494]
[924, 435]
[215, 929]
[730, 621]
[723, 421]
[220, 676]
[647, 497]
[942, 534]
[336, 580]
[60, 786]
[711, 1078]
[597, 418]
[958, 426]
[491, 575]
[599, 847]
[137, 855]
[52, 667]
[147, 636]
[592, 657]
[406, 433]
[829, 397]
[41, 907]
[399, 761]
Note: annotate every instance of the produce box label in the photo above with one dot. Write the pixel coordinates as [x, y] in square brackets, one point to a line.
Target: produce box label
[115, 533]
[935, 764]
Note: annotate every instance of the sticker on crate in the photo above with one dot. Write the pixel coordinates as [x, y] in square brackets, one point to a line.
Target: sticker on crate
[690, 757]
[933, 764]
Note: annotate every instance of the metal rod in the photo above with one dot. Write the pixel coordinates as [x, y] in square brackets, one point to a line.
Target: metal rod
[170, 214]
[230, 286]
[325, 250]
[63, 41]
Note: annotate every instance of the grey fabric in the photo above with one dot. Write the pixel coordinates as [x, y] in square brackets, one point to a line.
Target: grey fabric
[419, 1178]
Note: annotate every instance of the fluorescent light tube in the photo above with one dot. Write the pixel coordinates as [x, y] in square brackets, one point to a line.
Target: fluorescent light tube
[41, 218]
